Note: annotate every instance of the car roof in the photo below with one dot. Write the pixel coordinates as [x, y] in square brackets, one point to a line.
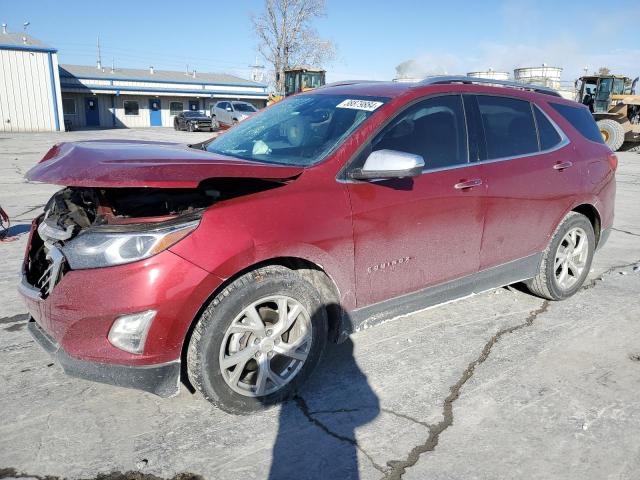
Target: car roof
[440, 84]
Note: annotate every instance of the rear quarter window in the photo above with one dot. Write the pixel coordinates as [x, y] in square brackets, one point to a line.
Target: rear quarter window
[581, 119]
[549, 136]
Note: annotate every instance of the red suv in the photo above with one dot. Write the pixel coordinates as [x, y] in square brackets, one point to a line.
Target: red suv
[229, 264]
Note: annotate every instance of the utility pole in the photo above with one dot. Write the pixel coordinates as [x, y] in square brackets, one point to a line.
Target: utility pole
[257, 71]
[99, 61]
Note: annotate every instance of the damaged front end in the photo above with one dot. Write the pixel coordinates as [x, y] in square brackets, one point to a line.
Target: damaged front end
[128, 200]
[91, 228]
[88, 227]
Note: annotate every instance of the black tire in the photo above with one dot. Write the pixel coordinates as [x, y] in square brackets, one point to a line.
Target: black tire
[203, 353]
[175, 126]
[545, 284]
[612, 133]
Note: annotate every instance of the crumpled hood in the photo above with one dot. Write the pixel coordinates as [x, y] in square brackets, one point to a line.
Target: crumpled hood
[118, 163]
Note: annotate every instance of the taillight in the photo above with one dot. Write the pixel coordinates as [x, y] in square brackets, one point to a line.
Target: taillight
[613, 161]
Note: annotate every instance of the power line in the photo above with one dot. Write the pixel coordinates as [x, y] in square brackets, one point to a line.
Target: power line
[143, 54]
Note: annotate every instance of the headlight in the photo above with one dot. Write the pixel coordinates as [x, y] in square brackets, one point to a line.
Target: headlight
[104, 249]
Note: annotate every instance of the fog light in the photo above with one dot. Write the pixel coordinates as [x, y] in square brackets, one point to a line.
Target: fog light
[129, 332]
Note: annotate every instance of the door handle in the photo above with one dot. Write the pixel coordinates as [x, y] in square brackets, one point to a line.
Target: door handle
[468, 184]
[562, 165]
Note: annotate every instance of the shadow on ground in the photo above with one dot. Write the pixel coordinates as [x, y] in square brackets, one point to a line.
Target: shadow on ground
[316, 434]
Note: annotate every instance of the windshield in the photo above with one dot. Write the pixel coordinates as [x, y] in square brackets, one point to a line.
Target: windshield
[244, 107]
[192, 114]
[300, 130]
[605, 89]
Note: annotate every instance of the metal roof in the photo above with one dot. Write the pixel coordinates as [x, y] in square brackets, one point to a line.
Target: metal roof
[22, 41]
[144, 75]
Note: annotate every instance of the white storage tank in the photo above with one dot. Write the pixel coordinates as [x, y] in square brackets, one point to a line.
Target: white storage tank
[490, 74]
[544, 76]
[407, 79]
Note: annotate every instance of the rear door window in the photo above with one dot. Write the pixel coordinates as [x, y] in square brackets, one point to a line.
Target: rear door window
[433, 128]
[547, 133]
[509, 127]
[581, 119]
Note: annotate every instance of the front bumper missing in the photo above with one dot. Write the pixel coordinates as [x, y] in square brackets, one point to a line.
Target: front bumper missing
[162, 380]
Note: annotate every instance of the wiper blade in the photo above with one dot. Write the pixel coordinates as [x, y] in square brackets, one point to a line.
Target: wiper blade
[199, 146]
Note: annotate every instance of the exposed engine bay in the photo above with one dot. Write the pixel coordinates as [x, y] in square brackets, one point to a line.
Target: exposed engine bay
[80, 221]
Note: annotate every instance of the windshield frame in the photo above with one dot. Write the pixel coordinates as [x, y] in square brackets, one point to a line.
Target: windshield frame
[323, 155]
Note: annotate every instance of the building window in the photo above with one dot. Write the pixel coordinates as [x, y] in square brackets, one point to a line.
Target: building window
[131, 107]
[69, 106]
[176, 107]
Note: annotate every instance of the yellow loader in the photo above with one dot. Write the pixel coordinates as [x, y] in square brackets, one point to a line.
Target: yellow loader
[299, 79]
[615, 106]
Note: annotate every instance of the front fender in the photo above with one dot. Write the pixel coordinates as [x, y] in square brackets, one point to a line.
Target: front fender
[305, 223]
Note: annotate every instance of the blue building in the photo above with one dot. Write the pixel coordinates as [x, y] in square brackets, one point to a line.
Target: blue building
[37, 94]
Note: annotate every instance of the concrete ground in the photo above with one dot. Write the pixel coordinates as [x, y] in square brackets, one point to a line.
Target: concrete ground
[500, 385]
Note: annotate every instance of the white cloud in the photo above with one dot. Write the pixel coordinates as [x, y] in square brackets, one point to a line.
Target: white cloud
[582, 41]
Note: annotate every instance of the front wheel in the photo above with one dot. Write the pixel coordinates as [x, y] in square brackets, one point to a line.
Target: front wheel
[190, 128]
[258, 340]
[567, 260]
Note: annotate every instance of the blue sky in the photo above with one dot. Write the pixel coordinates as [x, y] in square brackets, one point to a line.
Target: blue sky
[372, 37]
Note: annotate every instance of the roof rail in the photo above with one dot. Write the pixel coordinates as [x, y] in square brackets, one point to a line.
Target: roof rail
[348, 82]
[444, 79]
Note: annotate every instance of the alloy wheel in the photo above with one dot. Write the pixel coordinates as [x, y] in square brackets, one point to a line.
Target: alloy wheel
[571, 258]
[265, 346]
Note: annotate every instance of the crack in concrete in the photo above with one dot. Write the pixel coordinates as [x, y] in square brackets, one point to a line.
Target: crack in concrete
[625, 231]
[302, 405]
[608, 271]
[399, 467]
[406, 417]
[385, 410]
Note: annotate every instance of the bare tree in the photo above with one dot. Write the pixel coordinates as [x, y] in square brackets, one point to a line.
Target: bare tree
[287, 37]
[603, 71]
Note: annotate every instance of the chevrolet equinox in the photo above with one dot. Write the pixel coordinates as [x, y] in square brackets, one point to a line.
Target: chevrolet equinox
[228, 265]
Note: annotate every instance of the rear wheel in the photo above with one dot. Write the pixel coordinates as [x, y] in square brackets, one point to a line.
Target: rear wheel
[612, 133]
[567, 260]
[258, 340]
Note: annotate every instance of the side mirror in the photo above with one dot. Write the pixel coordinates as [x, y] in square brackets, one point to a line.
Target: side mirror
[389, 164]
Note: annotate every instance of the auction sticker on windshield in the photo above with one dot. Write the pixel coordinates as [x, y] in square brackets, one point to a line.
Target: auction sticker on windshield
[367, 105]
